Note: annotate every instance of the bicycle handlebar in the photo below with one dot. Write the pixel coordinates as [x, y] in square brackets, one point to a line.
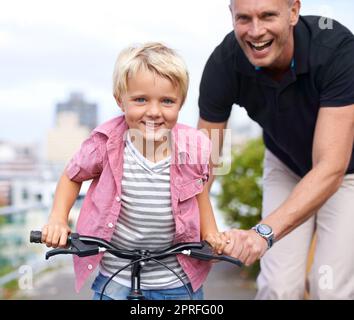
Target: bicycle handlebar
[36, 237]
[83, 246]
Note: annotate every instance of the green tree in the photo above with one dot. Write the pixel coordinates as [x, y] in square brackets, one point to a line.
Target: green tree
[241, 196]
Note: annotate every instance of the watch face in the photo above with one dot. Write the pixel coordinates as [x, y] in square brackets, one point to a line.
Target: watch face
[264, 229]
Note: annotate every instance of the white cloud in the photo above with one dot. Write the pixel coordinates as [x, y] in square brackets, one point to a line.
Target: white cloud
[48, 48]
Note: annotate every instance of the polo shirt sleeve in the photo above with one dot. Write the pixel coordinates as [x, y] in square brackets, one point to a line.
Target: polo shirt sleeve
[87, 163]
[338, 80]
[216, 90]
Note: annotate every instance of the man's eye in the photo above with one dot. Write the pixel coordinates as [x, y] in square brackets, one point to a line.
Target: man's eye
[268, 15]
[242, 19]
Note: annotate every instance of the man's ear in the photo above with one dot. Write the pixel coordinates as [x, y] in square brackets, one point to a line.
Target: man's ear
[232, 15]
[230, 8]
[295, 12]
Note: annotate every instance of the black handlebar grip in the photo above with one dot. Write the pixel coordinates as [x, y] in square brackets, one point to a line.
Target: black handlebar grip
[36, 236]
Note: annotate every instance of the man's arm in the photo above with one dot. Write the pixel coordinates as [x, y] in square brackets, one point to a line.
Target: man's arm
[216, 147]
[332, 150]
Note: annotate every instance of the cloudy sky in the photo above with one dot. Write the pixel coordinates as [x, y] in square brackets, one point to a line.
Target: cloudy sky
[50, 48]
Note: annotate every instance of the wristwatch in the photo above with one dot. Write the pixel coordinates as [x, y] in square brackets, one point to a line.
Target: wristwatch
[265, 232]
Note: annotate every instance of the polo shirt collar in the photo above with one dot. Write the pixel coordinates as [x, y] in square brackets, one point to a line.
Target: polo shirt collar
[302, 40]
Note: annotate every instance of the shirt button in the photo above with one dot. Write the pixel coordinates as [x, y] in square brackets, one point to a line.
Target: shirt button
[89, 267]
[182, 158]
[110, 225]
[199, 182]
[118, 198]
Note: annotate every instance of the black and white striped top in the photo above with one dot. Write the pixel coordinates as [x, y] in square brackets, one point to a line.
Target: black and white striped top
[145, 221]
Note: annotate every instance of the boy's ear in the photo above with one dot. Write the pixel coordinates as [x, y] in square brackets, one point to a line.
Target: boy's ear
[120, 104]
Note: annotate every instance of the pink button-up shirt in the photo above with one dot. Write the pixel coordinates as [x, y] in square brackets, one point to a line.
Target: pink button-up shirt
[101, 158]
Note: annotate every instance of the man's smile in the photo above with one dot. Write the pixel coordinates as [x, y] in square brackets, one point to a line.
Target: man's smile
[259, 46]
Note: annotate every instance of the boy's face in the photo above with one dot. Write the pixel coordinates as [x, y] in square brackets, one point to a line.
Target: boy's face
[151, 105]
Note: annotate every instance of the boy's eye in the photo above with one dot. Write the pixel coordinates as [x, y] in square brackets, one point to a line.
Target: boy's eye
[167, 101]
[140, 100]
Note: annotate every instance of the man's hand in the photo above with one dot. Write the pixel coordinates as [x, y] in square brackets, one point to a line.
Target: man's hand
[245, 245]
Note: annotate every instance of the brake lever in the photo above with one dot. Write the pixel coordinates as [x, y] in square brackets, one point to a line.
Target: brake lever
[54, 252]
[80, 253]
[77, 247]
[206, 254]
[229, 259]
[82, 249]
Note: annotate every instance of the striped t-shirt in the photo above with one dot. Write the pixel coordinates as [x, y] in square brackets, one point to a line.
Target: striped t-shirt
[145, 221]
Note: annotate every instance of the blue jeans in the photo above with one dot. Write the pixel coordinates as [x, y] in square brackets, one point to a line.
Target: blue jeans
[115, 291]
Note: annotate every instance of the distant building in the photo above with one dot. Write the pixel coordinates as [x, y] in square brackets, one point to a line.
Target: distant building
[5, 193]
[87, 112]
[75, 119]
[65, 138]
[25, 179]
[17, 158]
[17, 162]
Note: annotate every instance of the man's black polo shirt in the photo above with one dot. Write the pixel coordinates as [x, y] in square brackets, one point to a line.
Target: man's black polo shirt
[322, 75]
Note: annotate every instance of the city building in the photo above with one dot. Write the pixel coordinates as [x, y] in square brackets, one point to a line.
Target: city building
[17, 162]
[64, 139]
[87, 112]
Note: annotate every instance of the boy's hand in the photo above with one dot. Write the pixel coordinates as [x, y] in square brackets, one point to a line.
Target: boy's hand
[218, 241]
[55, 233]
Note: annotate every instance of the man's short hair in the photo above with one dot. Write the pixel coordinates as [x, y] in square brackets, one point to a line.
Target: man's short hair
[290, 2]
[154, 57]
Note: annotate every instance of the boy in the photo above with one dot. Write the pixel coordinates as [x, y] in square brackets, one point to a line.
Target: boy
[148, 181]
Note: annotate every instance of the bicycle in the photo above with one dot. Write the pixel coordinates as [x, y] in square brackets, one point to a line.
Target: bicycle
[84, 246]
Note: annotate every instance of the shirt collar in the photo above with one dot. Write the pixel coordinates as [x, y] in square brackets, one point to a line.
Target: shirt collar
[302, 40]
[292, 65]
[116, 131]
[155, 167]
[187, 145]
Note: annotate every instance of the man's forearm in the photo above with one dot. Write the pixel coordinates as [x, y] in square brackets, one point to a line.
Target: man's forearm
[307, 197]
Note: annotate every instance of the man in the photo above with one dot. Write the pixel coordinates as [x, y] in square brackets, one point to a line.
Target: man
[295, 77]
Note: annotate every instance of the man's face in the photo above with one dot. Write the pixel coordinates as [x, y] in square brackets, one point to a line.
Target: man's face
[263, 28]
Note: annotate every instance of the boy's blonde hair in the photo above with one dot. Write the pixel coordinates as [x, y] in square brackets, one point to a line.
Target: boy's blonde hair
[154, 57]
